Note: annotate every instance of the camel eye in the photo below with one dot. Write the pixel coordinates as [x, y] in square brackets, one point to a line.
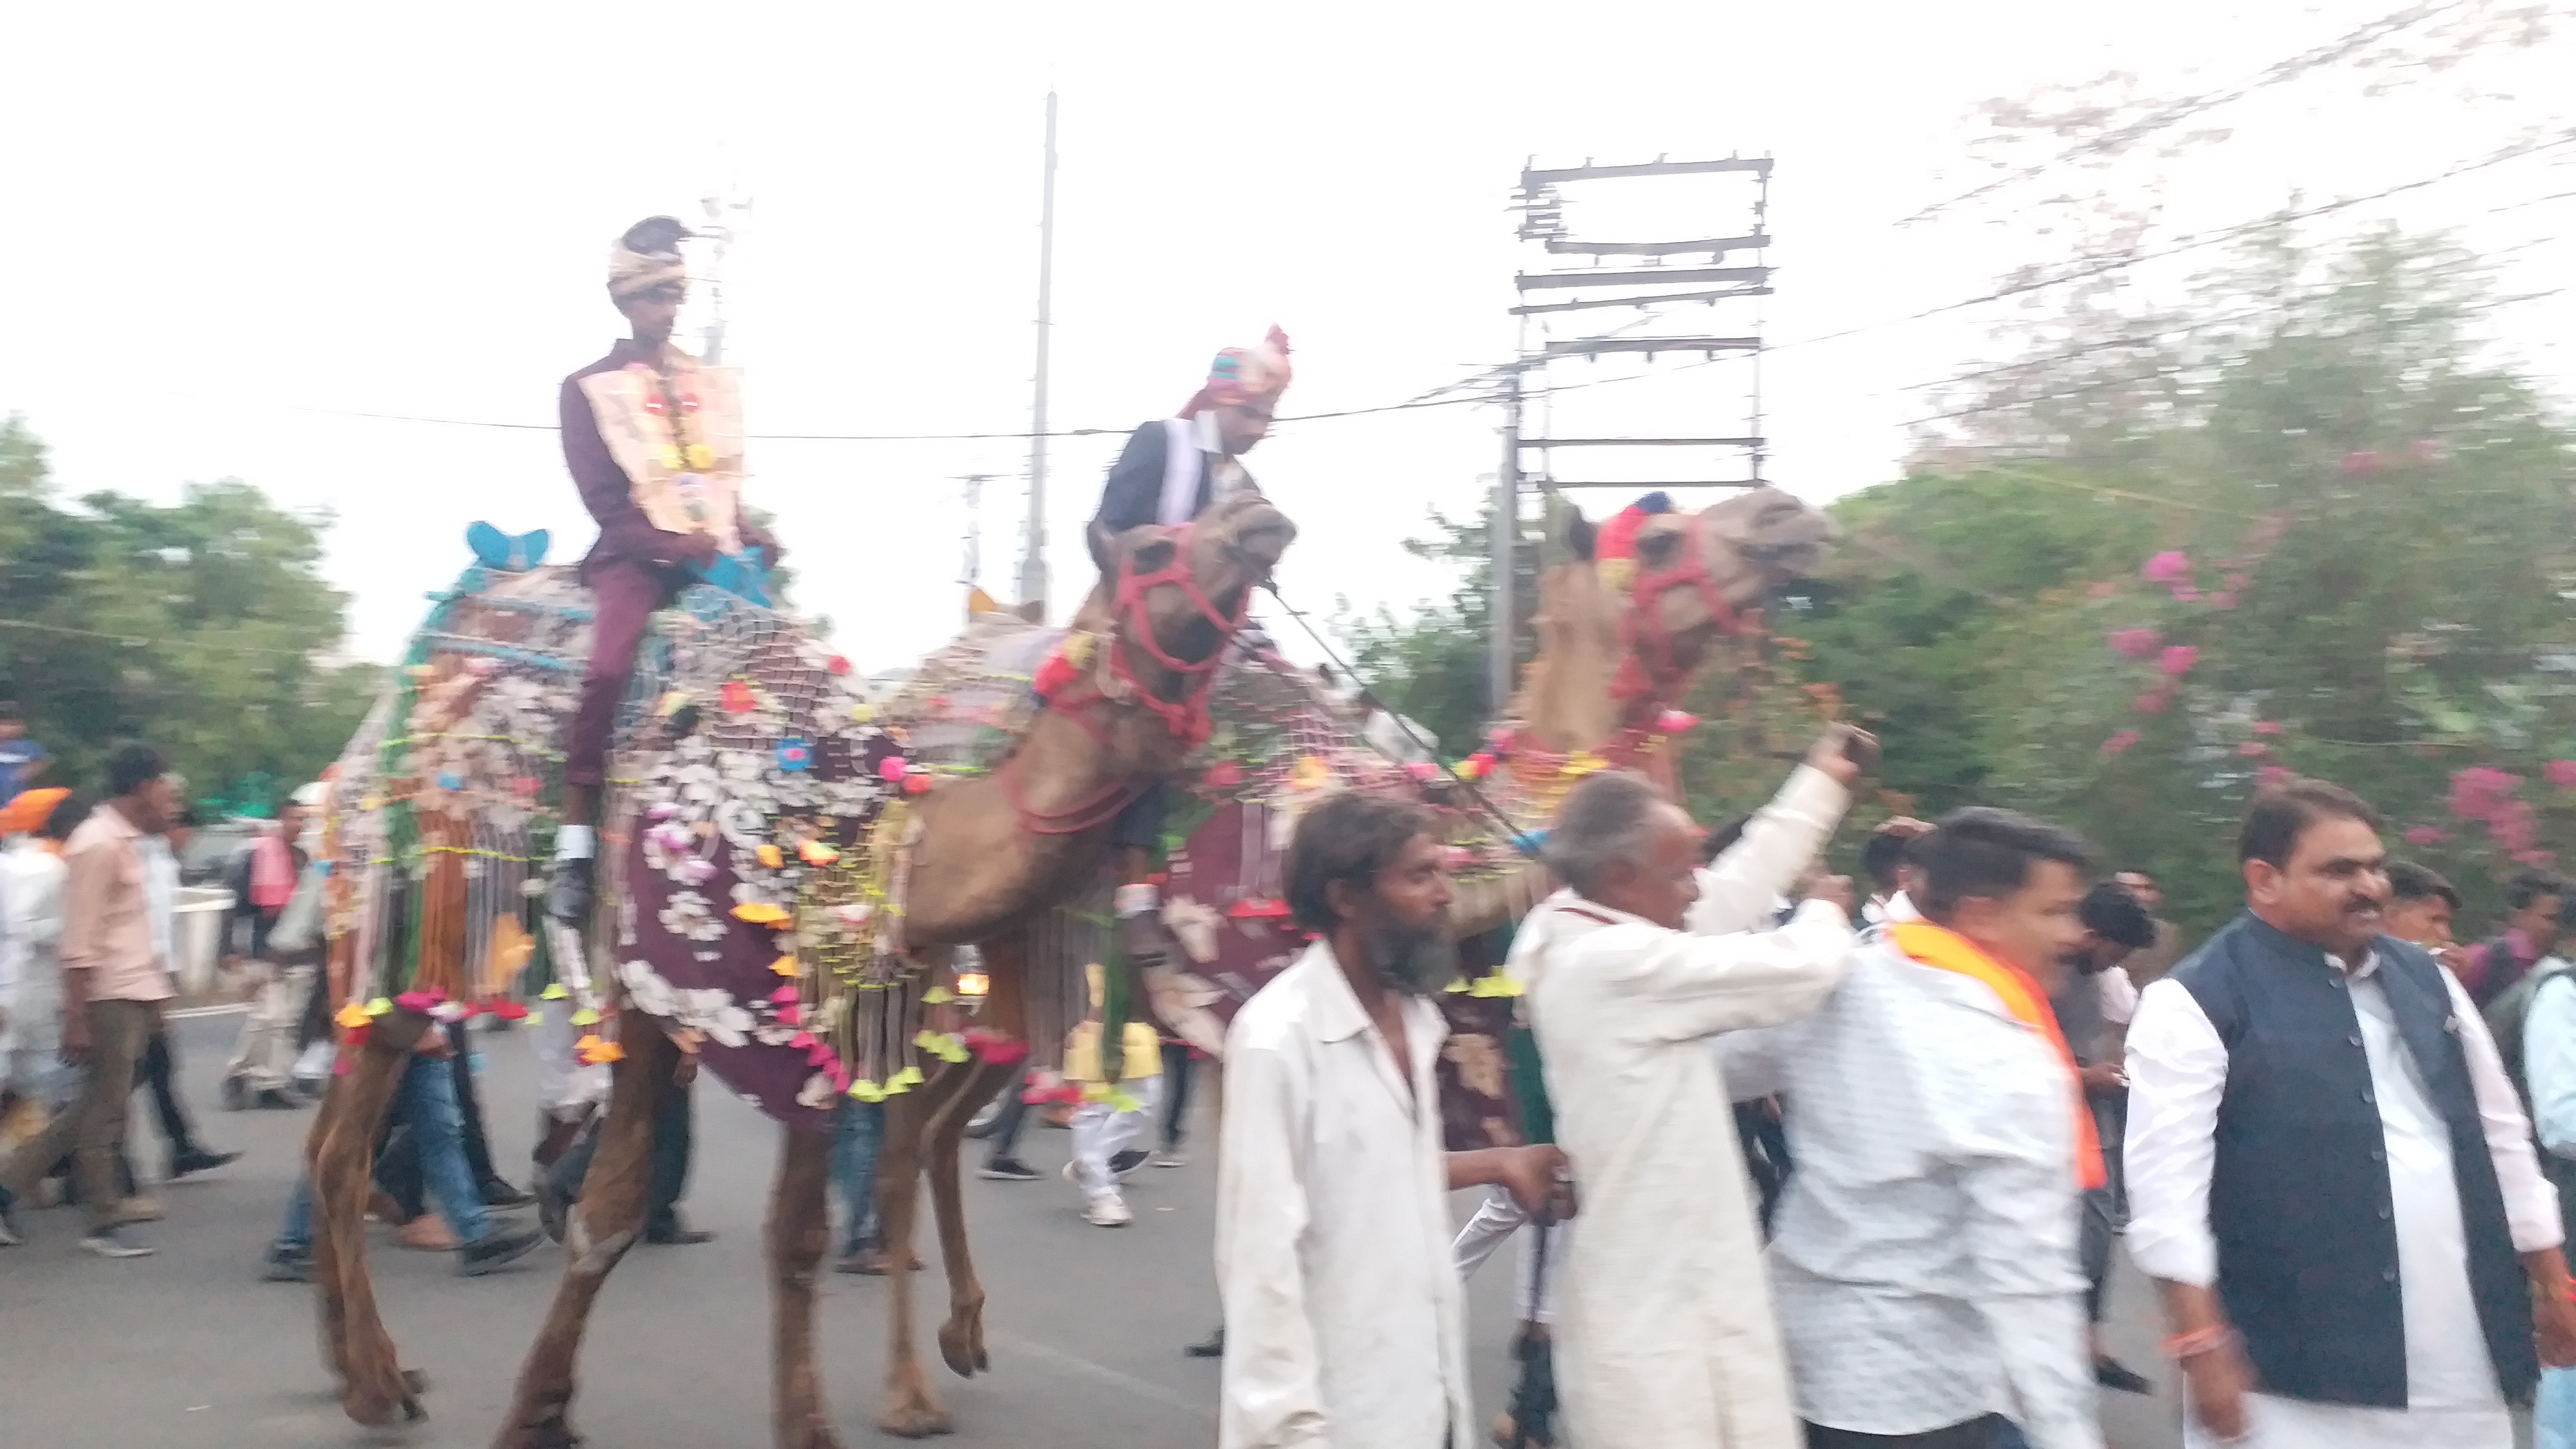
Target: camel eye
[1154, 557]
[1657, 550]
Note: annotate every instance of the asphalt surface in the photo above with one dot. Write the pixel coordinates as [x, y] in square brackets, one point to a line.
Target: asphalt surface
[1085, 1325]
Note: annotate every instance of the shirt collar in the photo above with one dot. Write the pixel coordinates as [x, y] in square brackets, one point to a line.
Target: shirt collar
[1335, 1012]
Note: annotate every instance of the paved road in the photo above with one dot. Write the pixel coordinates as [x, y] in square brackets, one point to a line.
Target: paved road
[1085, 1324]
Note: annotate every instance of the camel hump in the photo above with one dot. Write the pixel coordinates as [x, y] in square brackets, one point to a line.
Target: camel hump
[970, 702]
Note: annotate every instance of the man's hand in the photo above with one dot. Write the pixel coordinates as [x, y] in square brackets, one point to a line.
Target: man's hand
[2104, 1077]
[2217, 1382]
[1843, 753]
[2452, 958]
[1833, 890]
[1538, 1181]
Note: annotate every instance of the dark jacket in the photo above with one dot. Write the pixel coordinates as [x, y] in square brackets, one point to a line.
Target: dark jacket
[1134, 493]
[2299, 1197]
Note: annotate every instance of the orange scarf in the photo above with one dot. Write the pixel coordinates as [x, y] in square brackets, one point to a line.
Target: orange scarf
[1943, 949]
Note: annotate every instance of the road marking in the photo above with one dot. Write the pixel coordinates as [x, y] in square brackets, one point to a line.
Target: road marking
[193, 1012]
[1125, 1382]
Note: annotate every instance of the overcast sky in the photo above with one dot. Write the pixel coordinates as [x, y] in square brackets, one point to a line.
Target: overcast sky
[227, 229]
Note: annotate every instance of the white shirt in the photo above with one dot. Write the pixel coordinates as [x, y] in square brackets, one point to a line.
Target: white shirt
[160, 892]
[1345, 1322]
[2177, 1077]
[2119, 996]
[1663, 1334]
[1924, 1252]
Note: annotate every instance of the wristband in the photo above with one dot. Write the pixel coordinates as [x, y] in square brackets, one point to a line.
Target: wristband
[2184, 1347]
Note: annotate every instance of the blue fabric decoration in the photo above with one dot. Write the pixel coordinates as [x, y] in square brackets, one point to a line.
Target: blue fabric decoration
[509, 553]
[744, 575]
[1655, 502]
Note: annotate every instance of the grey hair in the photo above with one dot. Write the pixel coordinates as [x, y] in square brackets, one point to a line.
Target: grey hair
[1604, 819]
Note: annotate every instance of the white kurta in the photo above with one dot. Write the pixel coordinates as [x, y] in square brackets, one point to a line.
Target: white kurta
[2177, 1077]
[1345, 1321]
[1663, 1332]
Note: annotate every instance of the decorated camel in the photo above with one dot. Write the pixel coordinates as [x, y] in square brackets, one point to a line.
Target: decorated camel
[789, 866]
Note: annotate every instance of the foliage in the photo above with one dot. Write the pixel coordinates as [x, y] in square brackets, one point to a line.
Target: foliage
[202, 627]
[1430, 664]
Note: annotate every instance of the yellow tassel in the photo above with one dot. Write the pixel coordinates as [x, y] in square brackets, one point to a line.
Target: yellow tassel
[379, 1007]
[351, 1015]
[585, 1017]
[536, 1018]
[905, 1078]
[554, 992]
[861, 714]
[815, 852]
[761, 913]
[937, 996]
[770, 857]
[669, 704]
[1495, 985]
[784, 966]
[867, 1091]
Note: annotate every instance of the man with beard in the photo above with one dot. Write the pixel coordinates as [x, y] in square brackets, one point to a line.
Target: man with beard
[1344, 1319]
[1663, 1332]
[2330, 1178]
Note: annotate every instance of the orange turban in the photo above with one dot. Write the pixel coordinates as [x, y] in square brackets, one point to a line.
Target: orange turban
[26, 811]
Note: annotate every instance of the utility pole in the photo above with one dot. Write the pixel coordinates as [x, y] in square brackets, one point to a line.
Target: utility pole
[974, 527]
[1033, 569]
[1506, 541]
[719, 228]
[1651, 280]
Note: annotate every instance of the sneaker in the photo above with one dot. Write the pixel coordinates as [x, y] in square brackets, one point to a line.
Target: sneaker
[198, 1159]
[1212, 1346]
[1107, 1210]
[500, 1193]
[1172, 1156]
[276, 1100]
[287, 1263]
[1007, 1169]
[495, 1250]
[107, 1244]
[138, 1209]
[9, 1236]
[1123, 1165]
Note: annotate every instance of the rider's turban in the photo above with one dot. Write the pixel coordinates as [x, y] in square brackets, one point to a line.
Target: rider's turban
[1244, 374]
[647, 256]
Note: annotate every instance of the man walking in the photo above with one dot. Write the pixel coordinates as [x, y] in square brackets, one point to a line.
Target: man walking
[2330, 1178]
[114, 981]
[264, 881]
[1924, 1259]
[2115, 927]
[1344, 1317]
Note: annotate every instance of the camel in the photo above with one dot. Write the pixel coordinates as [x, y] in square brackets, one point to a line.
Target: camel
[1611, 662]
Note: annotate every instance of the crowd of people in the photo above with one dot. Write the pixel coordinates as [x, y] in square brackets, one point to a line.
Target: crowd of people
[2315, 1132]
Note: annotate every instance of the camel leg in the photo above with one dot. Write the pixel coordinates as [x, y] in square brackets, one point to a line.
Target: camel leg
[607, 1221]
[961, 1338]
[340, 1155]
[800, 1220]
[911, 1411]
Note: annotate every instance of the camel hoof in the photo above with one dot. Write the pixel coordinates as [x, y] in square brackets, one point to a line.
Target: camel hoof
[812, 1436]
[416, 1381]
[915, 1421]
[553, 1435]
[961, 1345]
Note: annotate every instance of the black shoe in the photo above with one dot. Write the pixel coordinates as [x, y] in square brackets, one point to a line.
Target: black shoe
[675, 1234]
[9, 1234]
[569, 895]
[198, 1159]
[1007, 1169]
[495, 1250]
[1212, 1346]
[288, 1263]
[2110, 1373]
[500, 1194]
[1124, 1164]
[275, 1100]
[236, 1094]
[554, 1210]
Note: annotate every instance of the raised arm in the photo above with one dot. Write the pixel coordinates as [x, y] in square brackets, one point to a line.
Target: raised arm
[1737, 890]
[1699, 985]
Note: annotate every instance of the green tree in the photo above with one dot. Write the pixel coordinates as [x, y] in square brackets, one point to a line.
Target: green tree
[203, 627]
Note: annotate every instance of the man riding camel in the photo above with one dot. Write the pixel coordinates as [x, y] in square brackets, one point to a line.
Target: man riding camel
[1171, 471]
[653, 439]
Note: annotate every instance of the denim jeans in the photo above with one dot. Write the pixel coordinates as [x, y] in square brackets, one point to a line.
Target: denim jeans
[669, 1164]
[426, 1096]
[858, 1130]
[2553, 1418]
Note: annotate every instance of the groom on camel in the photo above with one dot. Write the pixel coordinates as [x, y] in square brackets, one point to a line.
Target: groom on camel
[653, 439]
[1171, 471]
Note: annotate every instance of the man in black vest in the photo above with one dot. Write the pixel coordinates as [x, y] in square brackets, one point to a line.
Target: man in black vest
[2329, 1175]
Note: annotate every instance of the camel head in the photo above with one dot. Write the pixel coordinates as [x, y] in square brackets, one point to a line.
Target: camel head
[1174, 595]
[1613, 650]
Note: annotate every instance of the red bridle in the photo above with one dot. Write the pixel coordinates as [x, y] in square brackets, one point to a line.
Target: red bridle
[1648, 667]
[1185, 718]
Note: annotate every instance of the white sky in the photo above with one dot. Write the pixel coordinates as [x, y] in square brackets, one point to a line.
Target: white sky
[223, 223]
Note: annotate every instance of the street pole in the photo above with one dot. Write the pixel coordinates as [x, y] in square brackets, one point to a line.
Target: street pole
[1033, 569]
[1506, 537]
